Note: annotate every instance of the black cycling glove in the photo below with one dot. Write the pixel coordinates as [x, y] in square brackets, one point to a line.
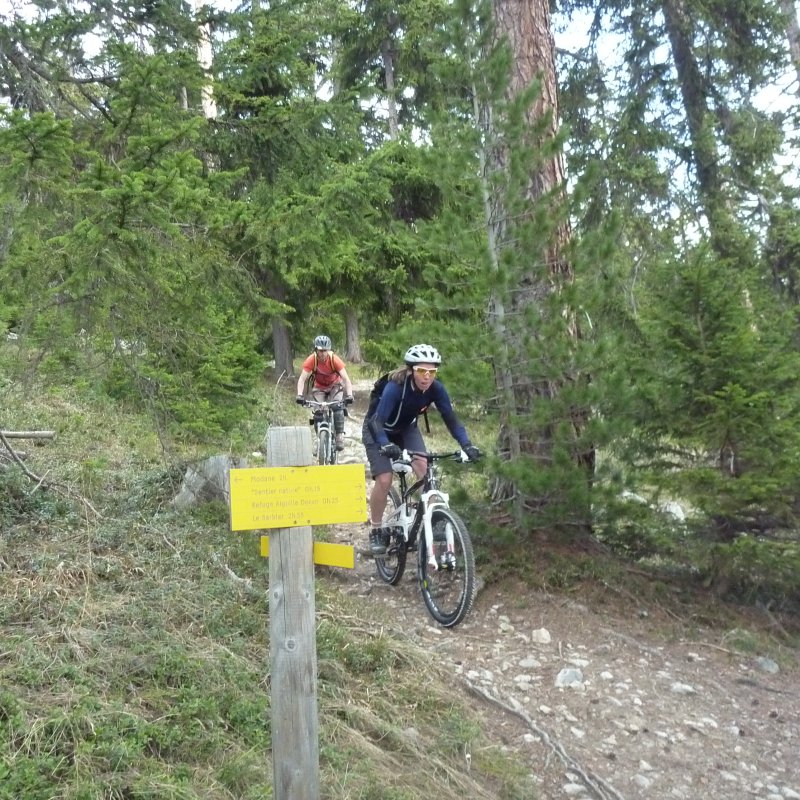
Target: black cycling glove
[391, 450]
[300, 400]
[473, 453]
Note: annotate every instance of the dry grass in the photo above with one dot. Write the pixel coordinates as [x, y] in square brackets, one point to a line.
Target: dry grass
[132, 666]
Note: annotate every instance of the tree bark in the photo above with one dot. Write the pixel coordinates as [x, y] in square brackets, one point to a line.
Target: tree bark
[727, 237]
[205, 61]
[352, 337]
[387, 56]
[282, 347]
[789, 10]
[525, 26]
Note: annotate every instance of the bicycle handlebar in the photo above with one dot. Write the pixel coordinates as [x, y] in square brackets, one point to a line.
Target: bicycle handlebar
[321, 404]
[459, 456]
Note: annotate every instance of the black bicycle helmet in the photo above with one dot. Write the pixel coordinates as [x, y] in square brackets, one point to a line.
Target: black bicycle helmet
[422, 354]
[322, 343]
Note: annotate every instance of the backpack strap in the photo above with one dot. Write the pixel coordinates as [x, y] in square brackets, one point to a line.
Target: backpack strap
[313, 376]
[371, 416]
[400, 404]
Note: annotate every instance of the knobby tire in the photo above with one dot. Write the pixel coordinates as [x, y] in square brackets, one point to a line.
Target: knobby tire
[448, 593]
[324, 446]
[392, 566]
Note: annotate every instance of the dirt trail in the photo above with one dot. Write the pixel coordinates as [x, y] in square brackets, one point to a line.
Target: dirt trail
[613, 701]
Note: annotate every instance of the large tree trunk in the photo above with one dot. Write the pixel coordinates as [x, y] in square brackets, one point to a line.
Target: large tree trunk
[387, 56]
[352, 337]
[525, 25]
[789, 9]
[205, 59]
[281, 336]
[727, 236]
[282, 347]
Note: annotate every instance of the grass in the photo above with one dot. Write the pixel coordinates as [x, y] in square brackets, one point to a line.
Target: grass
[133, 666]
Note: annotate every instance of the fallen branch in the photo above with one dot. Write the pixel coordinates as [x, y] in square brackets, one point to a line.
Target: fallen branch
[245, 583]
[17, 453]
[40, 481]
[28, 434]
[709, 644]
[15, 458]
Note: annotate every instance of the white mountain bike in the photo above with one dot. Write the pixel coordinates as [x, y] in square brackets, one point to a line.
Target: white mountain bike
[420, 518]
[322, 420]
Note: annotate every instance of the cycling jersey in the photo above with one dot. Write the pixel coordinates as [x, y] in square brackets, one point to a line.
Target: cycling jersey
[402, 403]
[325, 371]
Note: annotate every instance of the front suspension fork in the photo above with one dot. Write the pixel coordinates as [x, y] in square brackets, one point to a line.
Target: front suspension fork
[433, 500]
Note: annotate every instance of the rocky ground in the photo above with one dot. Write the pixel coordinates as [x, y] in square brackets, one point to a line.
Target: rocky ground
[613, 699]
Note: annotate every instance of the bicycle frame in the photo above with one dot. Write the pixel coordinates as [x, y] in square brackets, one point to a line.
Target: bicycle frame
[419, 518]
[325, 423]
[430, 498]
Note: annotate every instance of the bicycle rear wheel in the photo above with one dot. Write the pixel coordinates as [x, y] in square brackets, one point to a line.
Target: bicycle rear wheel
[392, 566]
[449, 591]
[323, 446]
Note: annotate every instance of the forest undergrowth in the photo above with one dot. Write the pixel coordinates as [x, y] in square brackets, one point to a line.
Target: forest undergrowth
[134, 638]
[134, 641]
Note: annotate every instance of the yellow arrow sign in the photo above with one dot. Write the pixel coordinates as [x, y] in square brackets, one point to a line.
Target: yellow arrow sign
[330, 555]
[292, 497]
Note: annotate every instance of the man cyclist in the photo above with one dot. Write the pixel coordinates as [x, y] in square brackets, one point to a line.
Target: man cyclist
[325, 375]
[392, 427]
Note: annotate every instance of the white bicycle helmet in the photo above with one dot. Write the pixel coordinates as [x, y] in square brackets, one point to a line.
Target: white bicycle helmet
[422, 354]
[322, 343]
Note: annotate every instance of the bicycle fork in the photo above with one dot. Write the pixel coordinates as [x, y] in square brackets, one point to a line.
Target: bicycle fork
[432, 500]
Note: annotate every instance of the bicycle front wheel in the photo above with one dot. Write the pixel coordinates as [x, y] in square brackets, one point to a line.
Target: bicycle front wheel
[323, 446]
[449, 590]
[392, 566]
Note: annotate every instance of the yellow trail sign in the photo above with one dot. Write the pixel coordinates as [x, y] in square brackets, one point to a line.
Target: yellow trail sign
[293, 497]
[325, 553]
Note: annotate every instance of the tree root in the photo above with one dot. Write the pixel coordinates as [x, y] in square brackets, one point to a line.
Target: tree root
[595, 784]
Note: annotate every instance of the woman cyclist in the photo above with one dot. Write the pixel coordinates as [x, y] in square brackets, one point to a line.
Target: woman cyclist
[391, 427]
[325, 374]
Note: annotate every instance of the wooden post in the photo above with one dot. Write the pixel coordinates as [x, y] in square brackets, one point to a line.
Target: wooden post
[293, 646]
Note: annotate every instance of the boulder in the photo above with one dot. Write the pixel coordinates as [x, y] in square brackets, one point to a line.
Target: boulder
[207, 480]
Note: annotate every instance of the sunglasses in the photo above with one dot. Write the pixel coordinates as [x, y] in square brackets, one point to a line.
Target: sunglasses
[424, 372]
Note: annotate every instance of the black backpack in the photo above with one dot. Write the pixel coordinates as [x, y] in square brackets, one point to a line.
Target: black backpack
[377, 391]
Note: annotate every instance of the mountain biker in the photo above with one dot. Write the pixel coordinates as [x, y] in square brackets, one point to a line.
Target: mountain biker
[392, 427]
[324, 373]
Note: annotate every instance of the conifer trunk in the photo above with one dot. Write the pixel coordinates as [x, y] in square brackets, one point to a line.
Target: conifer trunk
[526, 27]
[282, 346]
[205, 60]
[789, 9]
[387, 56]
[727, 237]
[352, 337]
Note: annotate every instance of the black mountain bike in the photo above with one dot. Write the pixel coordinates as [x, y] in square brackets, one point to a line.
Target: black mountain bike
[322, 420]
[420, 518]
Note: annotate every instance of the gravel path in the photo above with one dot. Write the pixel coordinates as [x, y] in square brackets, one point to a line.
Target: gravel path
[613, 701]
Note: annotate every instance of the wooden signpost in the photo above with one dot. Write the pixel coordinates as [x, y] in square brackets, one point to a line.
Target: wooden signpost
[290, 496]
